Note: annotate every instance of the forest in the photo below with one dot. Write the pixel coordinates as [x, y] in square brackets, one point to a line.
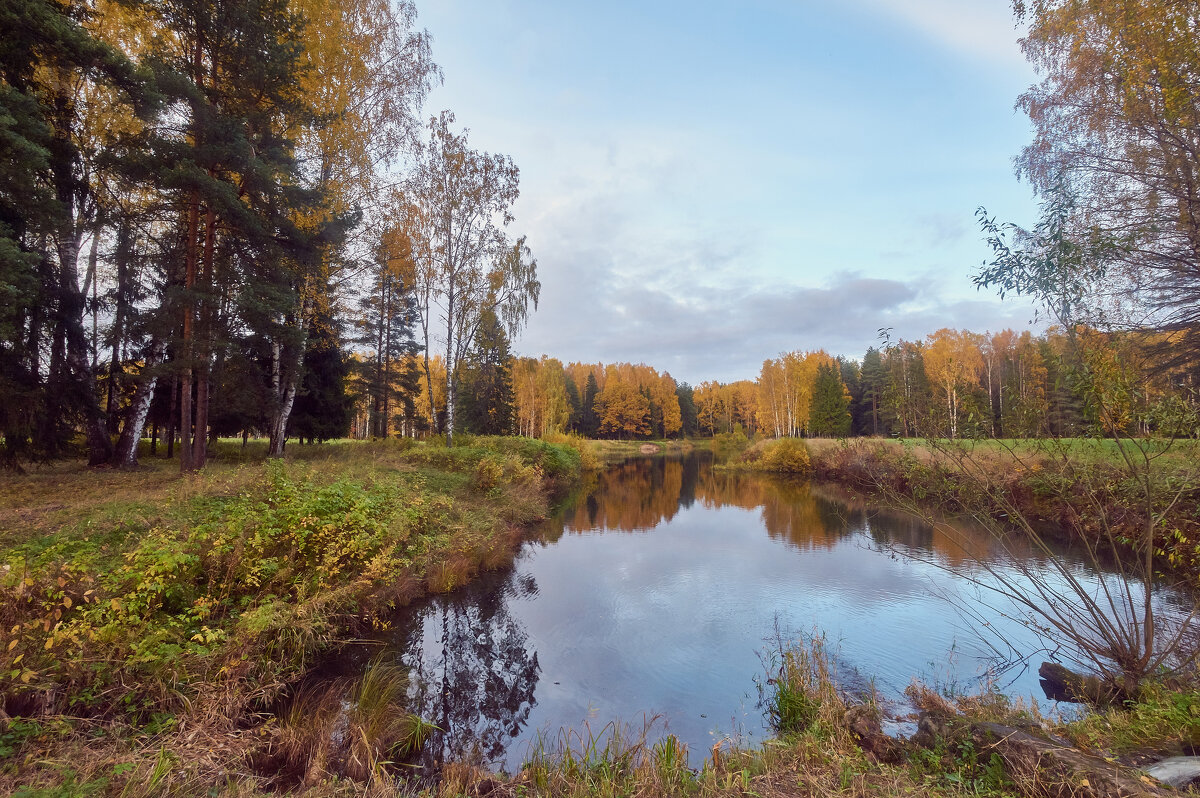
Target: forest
[952, 384]
[221, 218]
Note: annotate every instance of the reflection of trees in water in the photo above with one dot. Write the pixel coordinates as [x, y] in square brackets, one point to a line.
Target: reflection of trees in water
[639, 494]
[634, 496]
[476, 683]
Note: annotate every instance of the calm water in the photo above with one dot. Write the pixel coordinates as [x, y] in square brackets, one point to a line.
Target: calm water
[656, 589]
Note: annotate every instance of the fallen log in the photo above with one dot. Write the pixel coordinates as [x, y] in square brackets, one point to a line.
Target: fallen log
[1063, 684]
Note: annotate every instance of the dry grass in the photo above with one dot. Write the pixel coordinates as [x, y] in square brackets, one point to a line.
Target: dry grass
[607, 452]
[178, 608]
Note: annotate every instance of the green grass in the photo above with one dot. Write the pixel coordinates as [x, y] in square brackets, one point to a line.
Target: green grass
[1162, 719]
[147, 601]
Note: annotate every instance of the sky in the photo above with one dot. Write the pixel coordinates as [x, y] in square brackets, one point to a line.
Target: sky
[708, 185]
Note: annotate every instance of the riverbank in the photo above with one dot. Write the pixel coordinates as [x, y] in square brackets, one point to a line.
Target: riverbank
[274, 566]
[1076, 489]
[608, 452]
[830, 742]
[152, 623]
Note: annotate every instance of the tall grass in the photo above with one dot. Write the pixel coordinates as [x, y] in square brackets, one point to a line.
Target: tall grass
[161, 603]
[800, 693]
[617, 759]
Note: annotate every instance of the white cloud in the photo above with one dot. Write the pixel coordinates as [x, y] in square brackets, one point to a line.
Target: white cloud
[980, 29]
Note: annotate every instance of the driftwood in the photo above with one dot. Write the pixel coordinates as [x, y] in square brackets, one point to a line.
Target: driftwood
[1063, 684]
[1046, 766]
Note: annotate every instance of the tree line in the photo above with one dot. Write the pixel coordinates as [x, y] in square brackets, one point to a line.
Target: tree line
[953, 383]
[232, 218]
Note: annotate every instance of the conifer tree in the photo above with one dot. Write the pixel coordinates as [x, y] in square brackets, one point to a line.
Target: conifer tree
[46, 209]
[390, 372]
[874, 382]
[485, 399]
[575, 402]
[851, 374]
[233, 74]
[323, 407]
[687, 409]
[830, 413]
[589, 423]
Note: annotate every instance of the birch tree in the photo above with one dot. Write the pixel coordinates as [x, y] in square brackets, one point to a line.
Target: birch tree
[457, 207]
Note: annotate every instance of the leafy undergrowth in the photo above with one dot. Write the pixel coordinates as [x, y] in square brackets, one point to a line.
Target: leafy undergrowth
[147, 620]
[785, 456]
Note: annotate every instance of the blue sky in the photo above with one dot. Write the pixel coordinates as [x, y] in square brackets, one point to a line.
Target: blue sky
[707, 185]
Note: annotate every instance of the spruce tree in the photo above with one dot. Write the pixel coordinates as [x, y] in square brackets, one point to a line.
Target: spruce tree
[689, 416]
[322, 409]
[589, 413]
[485, 399]
[852, 378]
[575, 401]
[830, 413]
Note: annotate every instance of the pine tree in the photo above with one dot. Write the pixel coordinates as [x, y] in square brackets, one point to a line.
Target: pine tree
[237, 189]
[46, 208]
[874, 381]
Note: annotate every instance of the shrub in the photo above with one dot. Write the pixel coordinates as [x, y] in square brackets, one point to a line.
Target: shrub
[787, 456]
[728, 445]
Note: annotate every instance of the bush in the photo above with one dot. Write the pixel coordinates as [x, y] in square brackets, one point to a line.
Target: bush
[728, 445]
[588, 461]
[786, 456]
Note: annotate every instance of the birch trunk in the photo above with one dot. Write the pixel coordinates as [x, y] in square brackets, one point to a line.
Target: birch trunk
[285, 380]
[126, 454]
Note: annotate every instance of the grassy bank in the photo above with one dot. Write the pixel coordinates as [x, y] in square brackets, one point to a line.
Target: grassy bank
[157, 630]
[608, 452]
[151, 622]
[1077, 489]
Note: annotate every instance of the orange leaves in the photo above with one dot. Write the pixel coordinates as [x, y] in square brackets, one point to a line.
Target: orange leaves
[624, 411]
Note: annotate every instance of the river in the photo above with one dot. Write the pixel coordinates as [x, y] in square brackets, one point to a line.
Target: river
[654, 592]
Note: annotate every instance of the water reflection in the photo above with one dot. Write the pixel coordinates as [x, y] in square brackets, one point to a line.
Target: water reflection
[639, 495]
[473, 668]
[653, 590]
